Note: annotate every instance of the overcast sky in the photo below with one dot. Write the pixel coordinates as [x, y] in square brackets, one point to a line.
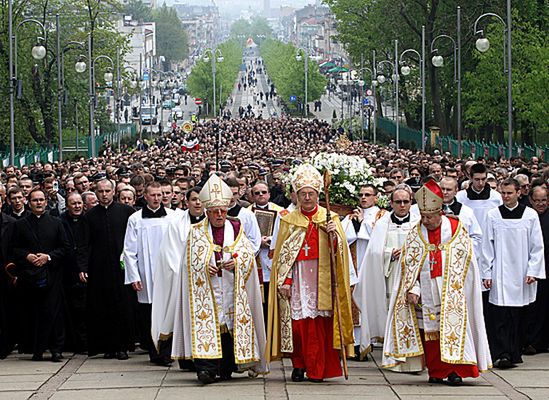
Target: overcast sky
[235, 6]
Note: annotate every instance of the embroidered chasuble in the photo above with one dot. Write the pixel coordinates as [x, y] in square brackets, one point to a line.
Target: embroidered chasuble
[446, 330]
[229, 300]
[303, 239]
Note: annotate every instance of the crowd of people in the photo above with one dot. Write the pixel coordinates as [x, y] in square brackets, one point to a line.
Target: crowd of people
[174, 247]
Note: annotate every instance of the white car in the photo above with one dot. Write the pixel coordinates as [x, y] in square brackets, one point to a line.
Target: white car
[178, 112]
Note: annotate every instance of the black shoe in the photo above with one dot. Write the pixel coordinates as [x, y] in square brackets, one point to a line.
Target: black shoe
[109, 356]
[37, 357]
[56, 357]
[298, 375]
[529, 351]
[205, 377]
[503, 363]
[186, 365]
[436, 380]
[162, 361]
[315, 380]
[122, 355]
[454, 379]
[226, 376]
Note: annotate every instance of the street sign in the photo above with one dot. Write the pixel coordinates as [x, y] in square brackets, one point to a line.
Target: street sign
[293, 99]
[145, 75]
[365, 102]
[369, 92]
[198, 101]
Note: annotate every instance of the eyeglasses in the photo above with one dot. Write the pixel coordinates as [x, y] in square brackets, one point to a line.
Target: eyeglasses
[401, 202]
[539, 201]
[365, 195]
[260, 193]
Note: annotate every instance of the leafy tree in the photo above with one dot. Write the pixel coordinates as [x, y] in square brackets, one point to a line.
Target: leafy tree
[138, 10]
[288, 74]
[258, 29]
[366, 25]
[200, 82]
[172, 40]
[36, 110]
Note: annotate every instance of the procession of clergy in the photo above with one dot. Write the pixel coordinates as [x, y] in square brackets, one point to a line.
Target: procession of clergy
[439, 285]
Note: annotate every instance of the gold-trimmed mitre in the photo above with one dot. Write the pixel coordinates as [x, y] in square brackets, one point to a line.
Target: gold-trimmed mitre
[429, 197]
[307, 176]
[215, 193]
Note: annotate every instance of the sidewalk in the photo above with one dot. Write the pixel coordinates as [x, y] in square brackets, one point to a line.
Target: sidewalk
[136, 379]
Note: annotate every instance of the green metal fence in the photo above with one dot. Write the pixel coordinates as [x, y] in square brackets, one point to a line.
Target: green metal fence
[34, 154]
[411, 138]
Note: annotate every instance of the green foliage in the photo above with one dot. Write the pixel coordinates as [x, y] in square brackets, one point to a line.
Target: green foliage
[172, 41]
[367, 25]
[258, 29]
[36, 112]
[288, 74]
[200, 82]
[138, 10]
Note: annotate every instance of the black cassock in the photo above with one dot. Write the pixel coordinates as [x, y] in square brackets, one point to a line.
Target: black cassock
[109, 300]
[41, 287]
[8, 314]
[536, 324]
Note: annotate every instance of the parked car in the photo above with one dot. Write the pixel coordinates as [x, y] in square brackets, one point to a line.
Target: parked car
[168, 104]
[178, 112]
[148, 115]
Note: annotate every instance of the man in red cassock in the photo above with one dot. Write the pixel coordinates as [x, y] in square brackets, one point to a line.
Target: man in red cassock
[435, 316]
[303, 316]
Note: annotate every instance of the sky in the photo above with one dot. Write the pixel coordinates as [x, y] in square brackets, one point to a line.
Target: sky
[235, 6]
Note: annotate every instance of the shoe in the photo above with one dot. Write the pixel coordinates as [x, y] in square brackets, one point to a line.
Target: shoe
[298, 375]
[315, 380]
[454, 379]
[56, 357]
[529, 351]
[122, 355]
[436, 380]
[225, 377]
[186, 365]
[163, 361]
[503, 363]
[205, 377]
[109, 356]
[37, 357]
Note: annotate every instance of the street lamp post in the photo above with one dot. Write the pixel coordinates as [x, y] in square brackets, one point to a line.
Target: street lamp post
[483, 44]
[361, 83]
[216, 56]
[108, 78]
[374, 86]
[306, 69]
[406, 71]
[381, 80]
[438, 61]
[79, 66]
[38, 53]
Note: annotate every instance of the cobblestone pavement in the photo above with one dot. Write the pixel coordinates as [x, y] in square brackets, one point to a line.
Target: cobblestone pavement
[85, 378]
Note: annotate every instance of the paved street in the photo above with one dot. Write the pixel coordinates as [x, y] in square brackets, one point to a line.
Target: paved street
[137, 379]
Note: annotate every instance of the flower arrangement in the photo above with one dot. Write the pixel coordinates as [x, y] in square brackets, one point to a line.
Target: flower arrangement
[349, 173]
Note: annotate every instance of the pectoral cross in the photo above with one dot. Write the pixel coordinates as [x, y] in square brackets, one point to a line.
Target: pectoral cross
[432, 263]
[306, 249]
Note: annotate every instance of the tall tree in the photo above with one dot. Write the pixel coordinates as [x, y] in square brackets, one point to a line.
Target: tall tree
[172, 40]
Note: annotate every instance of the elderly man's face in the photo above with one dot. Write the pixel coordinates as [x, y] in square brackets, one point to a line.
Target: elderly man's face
[431, 221]
[217, 216]
[307, 198]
